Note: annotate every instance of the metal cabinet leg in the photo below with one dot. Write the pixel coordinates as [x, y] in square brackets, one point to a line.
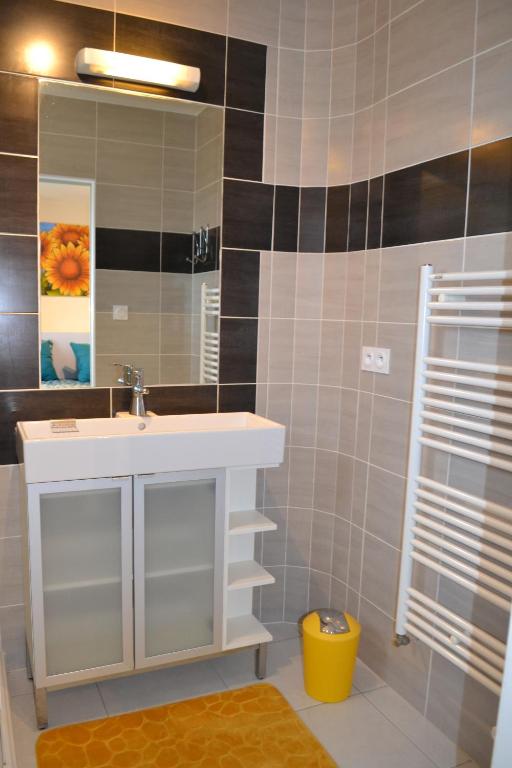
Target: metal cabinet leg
[261, 661]
[41, 701]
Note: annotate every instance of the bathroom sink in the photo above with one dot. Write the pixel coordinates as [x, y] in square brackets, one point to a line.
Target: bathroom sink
[89, 448]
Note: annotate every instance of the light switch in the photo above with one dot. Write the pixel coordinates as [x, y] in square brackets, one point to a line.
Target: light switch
[375, 359]
[120, 312]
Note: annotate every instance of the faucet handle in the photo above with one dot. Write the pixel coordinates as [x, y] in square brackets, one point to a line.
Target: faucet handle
[127, 375]
[138, 381]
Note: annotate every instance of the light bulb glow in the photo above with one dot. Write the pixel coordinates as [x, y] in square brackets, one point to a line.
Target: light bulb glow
[139, 69]
[39, 57]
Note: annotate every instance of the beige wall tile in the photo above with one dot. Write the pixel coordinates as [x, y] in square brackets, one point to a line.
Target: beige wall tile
[274, 543]
[319, 18]
[341, 546]
[324, 498]
[59, 114]
[210, 15]
[297, 591]
[178, 369]
[333, 303]
[351, 354]
[390, 434]
[272, 598]
[125, 163]
[345, 22]
[269, 149]
[304, 406]
[365, 18]
[210, 123]
[176, 293]
[67, 155]
[280, 366]
[11, 571]
[492, 117]
[207, 208]
[429, 38]
[279, 405]
[137, 335]
[178, 209]
[364, 73]
[321, 542]
[343, 80]
[340, 150]
[464, 709]
[288, 150]
[344, 484]
[130, 124]
[208, 163]
[298, 540]
[140, 291]
[179, 168]
[284, 277]
[385, 505]
[361, 145]
[406, 668]
[180, 130]
[494, 24]
[331, 351]
[259, 23]
[400, 275]
[276, 484]
[308, 302]
[380, 67]
[319, 589]
[302, 463]
[401, 340]
[413, 133]
[380, 574]
[290, 83]
[292, 24]
[10, 515]
[489, 251]
[328, 415]
[176, 335]
[317, 84]
[306, 351]
[315, 146]
[128, 207]
[12, 626]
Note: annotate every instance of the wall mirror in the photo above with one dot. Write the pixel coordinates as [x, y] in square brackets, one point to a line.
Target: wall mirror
[130, 200]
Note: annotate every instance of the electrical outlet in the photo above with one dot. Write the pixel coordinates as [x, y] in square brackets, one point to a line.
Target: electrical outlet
[119, 312]
[375, 359]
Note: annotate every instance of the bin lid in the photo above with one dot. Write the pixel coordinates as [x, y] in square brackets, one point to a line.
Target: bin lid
[333, 622]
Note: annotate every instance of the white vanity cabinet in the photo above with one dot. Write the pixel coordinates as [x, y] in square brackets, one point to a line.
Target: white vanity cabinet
[79, 585]
[128, 573]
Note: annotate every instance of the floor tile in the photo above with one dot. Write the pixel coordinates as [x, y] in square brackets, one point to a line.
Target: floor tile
[366, 680]
[284, 671]
[73, 705]
[357, 735]
[160, 687]
[283, 630]
[25, 730]
[443, 752]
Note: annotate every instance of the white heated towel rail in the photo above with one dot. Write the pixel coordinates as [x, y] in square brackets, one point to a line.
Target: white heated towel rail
[209, 339]
[462, 408]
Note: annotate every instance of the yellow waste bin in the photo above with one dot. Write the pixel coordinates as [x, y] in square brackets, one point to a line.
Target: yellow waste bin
[330, 641]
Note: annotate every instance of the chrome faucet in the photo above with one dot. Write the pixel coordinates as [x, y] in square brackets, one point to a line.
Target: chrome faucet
[134, 378]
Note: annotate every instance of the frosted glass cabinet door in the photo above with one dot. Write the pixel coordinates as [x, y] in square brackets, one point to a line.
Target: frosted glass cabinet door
[178, 575]
[80, 545]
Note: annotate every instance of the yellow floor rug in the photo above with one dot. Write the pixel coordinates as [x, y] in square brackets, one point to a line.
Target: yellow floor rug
[251, 727]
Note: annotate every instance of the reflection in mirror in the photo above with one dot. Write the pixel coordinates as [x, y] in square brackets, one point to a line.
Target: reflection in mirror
[129, 214]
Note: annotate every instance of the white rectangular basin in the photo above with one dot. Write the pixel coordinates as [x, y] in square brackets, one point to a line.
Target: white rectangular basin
[131, 446]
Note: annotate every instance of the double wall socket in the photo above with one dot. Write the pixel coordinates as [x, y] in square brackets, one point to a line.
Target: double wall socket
[375, 359]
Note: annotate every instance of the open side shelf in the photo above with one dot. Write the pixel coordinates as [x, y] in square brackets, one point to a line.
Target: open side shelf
[246, 574]
[250, 521]
[245, 630]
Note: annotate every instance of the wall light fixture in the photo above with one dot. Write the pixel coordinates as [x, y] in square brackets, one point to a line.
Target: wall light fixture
[138, 69]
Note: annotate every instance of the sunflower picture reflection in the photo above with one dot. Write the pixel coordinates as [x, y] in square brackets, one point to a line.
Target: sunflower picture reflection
[65, 260]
